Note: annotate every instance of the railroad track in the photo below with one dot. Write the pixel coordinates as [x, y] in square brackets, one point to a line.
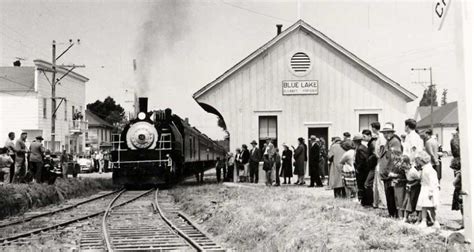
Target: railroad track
[23, 227]
[147, 225]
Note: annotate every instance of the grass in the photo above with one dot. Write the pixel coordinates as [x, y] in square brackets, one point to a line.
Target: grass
[18, 198]
[291, 218]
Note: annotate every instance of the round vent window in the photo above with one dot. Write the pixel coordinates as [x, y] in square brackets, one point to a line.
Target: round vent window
[300, 63]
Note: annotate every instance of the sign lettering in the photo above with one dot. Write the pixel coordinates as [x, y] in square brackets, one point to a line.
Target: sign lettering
[310, 87]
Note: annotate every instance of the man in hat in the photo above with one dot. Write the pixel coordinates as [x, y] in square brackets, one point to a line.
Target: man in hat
[313, 160]
[347, 136]
[254, 161]
[20, 158]
[36, 159]
[392, 148]
[360, 164]
[244, 159]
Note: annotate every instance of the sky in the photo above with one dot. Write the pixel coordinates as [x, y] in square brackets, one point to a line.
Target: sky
[180, 46]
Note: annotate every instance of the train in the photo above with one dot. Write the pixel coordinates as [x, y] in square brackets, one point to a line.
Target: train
[160, 148]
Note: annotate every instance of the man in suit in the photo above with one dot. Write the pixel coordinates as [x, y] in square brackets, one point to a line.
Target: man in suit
[245, 158]
[313, 160]
[36, 159]
[254, 162]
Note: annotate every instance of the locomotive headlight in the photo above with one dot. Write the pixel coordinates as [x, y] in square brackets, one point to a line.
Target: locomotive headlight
[141, 135]
[141, 115]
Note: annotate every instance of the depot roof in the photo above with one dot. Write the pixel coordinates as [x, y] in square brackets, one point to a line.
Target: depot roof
[300, 24]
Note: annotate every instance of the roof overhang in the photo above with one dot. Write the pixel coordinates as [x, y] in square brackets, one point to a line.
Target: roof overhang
[300, 24]
[41, 64]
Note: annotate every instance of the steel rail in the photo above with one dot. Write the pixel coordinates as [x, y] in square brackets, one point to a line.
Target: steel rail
[107, 212]
[170, 224]
[7, 240]
[56, 211]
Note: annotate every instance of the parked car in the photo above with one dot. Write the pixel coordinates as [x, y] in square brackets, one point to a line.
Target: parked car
[70, 165]
[86, 164]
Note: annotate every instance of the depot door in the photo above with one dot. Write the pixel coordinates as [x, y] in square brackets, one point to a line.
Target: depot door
[320, 132]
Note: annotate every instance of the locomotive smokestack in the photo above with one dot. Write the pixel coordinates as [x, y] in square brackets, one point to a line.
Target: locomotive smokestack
[143, 104]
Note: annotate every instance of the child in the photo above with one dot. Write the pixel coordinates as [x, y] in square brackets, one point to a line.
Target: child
[428, 199]
[413, 186]
[348, 170]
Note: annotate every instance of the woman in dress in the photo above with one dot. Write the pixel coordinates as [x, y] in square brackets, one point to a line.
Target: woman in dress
[335, 176]
[286, 171]
[428, 199]
[348, 170]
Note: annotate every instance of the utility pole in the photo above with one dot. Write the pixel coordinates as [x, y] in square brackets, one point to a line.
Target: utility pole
[53, 100]
[53, 83]
[430, 89]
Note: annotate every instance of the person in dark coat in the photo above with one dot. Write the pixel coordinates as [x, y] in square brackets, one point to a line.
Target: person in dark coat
[313, 161]
[305, 158]
[51, 170]
[392, 148]
[299, 154]
[277, 167]
[254, 161]
[360, 165]
[368, 193]
[287, 157]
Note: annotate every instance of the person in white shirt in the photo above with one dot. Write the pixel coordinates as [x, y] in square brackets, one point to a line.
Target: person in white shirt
[413, 142]
[379, 191]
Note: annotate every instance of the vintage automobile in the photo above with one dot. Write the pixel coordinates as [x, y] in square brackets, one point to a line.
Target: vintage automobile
[68, 166]
[86, 163]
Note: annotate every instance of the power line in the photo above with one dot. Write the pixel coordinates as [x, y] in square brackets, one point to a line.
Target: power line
[255, 12]
[16, 82]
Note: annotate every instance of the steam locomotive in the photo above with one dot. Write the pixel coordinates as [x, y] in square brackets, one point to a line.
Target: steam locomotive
[159, 147]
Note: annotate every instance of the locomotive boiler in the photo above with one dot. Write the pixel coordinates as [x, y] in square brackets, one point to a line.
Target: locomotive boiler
[158, 147]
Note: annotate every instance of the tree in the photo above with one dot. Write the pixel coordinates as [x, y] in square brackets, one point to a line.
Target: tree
[427, 94]
[108, 110]
[444, 98]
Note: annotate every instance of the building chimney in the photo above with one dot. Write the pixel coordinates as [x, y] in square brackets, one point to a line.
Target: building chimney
[17, 63]
[143, 104]
[279, 26]
[186, 120]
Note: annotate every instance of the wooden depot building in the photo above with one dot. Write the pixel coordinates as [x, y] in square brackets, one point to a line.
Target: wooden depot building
[302, 83]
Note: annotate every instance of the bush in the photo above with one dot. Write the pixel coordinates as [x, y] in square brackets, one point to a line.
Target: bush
[18, 198]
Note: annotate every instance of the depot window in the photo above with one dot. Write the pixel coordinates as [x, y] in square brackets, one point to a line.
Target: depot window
[268, 128]
[366, 119]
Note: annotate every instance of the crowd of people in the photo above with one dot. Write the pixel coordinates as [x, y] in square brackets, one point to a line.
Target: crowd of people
[22, 164]
[376, 167]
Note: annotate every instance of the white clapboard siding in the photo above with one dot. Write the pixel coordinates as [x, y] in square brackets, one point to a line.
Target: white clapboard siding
[345, 90]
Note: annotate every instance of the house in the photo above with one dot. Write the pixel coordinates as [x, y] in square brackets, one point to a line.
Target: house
[445, 122]
[25, 105]
[99, 135]
[302, 83]
[423, 111]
